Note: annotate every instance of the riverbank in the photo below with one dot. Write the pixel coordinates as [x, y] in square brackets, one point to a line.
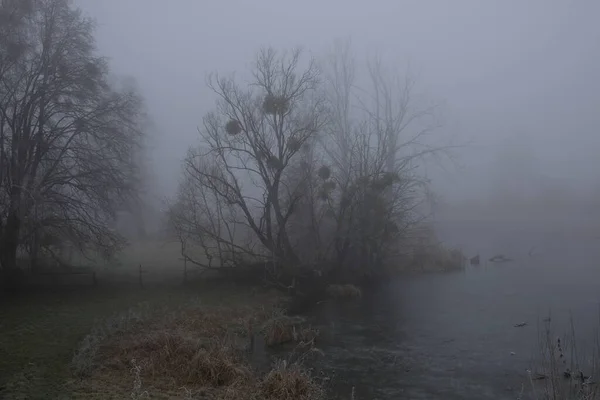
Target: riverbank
[59, 341]
[201, 341]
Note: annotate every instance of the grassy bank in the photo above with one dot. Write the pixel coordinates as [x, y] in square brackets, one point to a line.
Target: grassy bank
[193, 342]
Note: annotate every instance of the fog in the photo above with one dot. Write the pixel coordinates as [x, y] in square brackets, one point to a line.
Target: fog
[517, 80]
[416, 237]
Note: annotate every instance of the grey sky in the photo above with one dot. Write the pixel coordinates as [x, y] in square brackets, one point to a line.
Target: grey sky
[504, 68]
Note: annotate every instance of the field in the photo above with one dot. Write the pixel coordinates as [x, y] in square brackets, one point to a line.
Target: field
[159, 260]
[166, 340]
[39, 334]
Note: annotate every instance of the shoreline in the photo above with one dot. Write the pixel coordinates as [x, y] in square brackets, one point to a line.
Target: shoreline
[157, 340]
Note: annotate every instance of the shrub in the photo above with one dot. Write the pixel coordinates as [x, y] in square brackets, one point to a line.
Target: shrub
[84, 359]
[201, 350]
[280, 329]
[290, 382]
[188, 360]
[344, 291]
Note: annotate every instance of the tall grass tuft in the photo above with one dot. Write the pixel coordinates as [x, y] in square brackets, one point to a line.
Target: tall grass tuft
[290, 381]
[84, 358]
[281, 329]
[563, 371]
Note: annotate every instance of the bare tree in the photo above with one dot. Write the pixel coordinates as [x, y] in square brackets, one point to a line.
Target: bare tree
[308, 172]
[236, 201]
[68, 137]
[375, 136]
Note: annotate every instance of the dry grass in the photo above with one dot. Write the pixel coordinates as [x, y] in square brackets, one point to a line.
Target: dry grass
[181, 358]
[281, 329]
[561, 372]
[199, 351]
[285, 381]
[170, 342]
[85, 355]
[42, 331]
[307, 335]
[289, 382]
[344, 291]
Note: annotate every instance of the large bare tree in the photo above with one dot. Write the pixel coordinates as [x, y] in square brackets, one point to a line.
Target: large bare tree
[319, 173]
[237, 200]
[377, 131]
[68, 137]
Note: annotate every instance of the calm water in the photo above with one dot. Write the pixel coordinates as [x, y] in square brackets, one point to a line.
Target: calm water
[452, 336]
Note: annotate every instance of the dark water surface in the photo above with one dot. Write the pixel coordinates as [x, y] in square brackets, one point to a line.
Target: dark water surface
[452, 336]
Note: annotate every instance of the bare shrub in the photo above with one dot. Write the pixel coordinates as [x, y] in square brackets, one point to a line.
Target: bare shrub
[290, 382]
[428, 253]
[280, 329]
[84, 359]
[201, 350]
[306, 336]
[344, 291]
[188, 360]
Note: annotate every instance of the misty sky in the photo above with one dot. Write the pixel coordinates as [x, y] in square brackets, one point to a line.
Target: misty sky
[507, 71]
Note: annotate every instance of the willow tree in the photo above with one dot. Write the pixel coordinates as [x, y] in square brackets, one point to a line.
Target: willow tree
[67, 135]
[236, 199]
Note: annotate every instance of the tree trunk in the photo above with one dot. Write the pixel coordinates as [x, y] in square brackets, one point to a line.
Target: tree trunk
[34, 252]
[9, 245]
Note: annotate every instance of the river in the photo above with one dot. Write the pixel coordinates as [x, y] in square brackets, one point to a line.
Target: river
[453, 336]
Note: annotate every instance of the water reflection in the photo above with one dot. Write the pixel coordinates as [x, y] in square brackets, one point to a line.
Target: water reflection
[453, 336]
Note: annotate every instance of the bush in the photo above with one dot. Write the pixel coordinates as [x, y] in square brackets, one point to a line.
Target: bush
[84, 359]
[437, 257]
[199, 349]
[290, 382]
[344, 291]
[188, 360]
[280, 329]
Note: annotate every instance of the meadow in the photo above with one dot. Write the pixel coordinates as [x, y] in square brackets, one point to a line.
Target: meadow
[163, 340]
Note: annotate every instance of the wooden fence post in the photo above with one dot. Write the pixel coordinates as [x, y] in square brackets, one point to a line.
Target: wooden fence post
[184, 270]
[141, 281]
